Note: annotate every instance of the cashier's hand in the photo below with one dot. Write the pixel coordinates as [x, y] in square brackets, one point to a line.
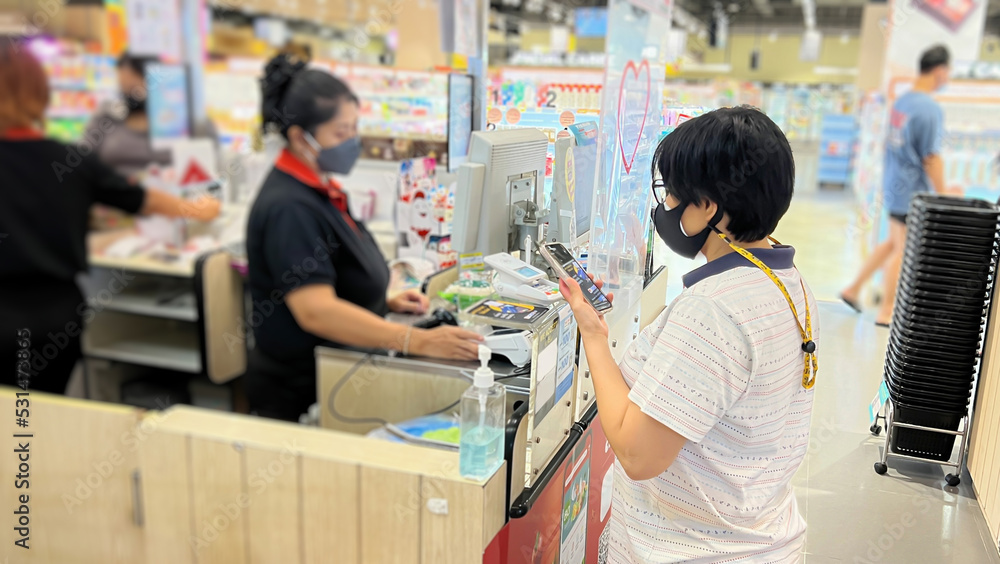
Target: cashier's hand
[590, 322]
[954, 190]
[204, 208]
[447, 341]
[409, 301]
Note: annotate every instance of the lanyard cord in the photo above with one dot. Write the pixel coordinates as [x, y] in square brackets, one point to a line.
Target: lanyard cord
[808, 345]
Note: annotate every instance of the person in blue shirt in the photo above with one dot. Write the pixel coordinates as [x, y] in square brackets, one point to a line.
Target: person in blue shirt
[913, 164]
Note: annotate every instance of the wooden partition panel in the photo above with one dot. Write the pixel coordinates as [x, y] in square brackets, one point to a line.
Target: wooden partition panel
[220, 502]
[80, 461]
[166, 499]
[323, 481]
[377, 388]
[273, 480]
[984, 446]
[391, 510]
[112, 485]
[264, 491]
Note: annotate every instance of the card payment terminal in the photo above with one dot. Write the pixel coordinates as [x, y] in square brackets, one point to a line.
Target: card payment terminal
[514, 278]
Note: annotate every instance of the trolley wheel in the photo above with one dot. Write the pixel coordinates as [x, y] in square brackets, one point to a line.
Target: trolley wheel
[876, 429]
[953, 480]
[881, 468]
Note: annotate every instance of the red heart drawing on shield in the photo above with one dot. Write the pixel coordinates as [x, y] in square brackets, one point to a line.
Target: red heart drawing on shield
[637, 71]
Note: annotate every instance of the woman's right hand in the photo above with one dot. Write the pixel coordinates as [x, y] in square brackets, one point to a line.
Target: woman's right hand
[447, 342]
[205, 208]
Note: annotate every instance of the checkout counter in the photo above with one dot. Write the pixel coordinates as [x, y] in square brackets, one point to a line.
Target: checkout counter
[557, 459]
[117, 484]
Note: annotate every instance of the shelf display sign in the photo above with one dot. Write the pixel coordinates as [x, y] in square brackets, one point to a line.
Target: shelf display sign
[914, 26]
[154, 28]
[167, 103]
[631, 120]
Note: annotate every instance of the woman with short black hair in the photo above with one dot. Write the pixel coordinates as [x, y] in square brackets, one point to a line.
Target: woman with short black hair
[709, 412]
[316, 275]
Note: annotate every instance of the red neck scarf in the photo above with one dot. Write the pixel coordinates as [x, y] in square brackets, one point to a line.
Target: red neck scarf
[292, 166]
[21, 134]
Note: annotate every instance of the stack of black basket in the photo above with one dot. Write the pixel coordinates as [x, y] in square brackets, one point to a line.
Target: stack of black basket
[937, 326]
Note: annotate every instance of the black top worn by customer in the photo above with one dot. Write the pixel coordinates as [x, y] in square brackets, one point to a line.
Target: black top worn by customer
[44, 211]
[46, 192]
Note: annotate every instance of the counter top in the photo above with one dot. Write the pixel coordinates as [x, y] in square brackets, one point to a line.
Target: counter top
[311, 441]
[180, 268]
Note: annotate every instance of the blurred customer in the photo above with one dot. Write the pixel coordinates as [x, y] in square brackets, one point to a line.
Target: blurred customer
[316, 275]
[45, 198]
[124, 143]
[913, 165]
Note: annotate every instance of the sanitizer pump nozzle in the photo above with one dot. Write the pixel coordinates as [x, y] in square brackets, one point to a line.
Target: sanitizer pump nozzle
[483, 377]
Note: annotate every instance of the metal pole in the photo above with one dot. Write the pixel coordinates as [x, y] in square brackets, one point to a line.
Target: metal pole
[194, 18]
[478, 67]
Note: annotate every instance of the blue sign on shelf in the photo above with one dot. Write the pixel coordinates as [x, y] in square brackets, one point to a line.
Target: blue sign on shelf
[591, 22]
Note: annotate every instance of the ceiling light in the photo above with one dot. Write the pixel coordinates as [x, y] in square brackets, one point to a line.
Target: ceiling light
[555, 12]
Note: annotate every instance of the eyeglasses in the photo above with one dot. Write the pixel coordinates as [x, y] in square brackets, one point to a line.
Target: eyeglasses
[660, 191]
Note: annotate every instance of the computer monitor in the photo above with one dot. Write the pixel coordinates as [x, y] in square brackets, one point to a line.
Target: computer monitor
[573, 177]
[504, 175]
[459, 119]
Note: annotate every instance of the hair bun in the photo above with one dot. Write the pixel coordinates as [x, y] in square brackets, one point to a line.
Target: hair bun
[278, 75]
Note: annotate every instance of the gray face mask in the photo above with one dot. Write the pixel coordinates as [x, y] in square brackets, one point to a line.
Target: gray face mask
[339, 159]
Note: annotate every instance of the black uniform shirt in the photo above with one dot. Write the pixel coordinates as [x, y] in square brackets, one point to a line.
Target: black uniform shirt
[296, 236]
[46, 191]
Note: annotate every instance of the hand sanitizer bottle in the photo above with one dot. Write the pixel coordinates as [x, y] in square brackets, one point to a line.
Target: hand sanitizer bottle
[480, 450]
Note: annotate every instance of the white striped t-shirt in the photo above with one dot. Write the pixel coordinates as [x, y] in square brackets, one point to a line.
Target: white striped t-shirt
[722, 366]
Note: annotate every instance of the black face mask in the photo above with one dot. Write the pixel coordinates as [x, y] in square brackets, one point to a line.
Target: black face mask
[668, 227]
[134, 105]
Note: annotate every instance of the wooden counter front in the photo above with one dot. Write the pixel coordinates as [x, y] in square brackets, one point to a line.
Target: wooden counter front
[984, 442]
[297, 494]
[80, 462]
[189, 485]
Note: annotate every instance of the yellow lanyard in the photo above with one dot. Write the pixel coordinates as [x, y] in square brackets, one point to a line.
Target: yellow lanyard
[808, 345]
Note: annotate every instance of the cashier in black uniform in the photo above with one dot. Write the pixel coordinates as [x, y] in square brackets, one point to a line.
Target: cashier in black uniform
[46, 191]
[316, 275]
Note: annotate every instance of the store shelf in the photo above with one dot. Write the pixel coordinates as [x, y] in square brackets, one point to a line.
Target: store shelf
[838, 138]
[170, 350]
[80, 87]
[401, 135]
[149, 302]
[372, 94]
[81, 115]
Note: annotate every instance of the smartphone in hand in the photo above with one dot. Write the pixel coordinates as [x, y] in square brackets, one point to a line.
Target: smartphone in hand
[565, 266]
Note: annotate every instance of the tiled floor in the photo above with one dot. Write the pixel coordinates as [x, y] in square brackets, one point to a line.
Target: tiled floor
[908, 516]
[854, 515]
